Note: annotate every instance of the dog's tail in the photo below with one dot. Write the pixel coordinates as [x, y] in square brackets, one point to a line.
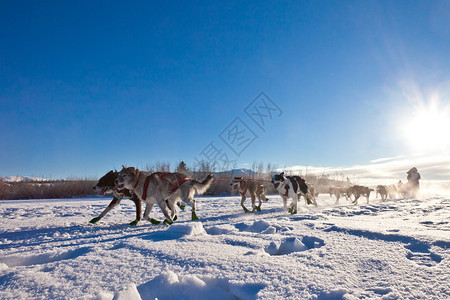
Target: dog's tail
[202, 187]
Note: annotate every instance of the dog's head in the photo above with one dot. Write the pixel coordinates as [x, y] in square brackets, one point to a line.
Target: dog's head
[350, 190]
[381, 188]
[127, 178]
[237, 183]
[277, 179]
[106, 184]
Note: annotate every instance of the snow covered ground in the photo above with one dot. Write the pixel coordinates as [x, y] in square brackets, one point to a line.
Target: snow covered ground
[399, 249]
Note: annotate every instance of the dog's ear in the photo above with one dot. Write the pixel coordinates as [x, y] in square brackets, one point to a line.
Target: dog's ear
[282, 173]
[124, 167]
[136, 172]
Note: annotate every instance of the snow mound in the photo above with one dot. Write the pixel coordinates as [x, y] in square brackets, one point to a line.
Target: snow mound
[169, 285]
[220, 229]
[195, 228]
[130, 293]
[292, 244]
[3, 267]
[260, 227]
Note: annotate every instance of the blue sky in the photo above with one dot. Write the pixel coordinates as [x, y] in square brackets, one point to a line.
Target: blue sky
[86, 86]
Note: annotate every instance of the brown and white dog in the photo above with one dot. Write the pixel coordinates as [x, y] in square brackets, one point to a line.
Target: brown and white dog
[292, 187]
[392, 191]
[338, 191]
[249, 188]
[382, 191]
[358, 191]
[163, 189]
[106, 185]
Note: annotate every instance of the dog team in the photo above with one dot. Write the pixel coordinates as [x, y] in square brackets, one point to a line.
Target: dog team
[169, 190]
[402, 190]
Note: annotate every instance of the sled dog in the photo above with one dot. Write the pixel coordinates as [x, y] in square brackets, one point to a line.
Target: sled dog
[358, 191]
[249, 188]
[382, 191]
[163, 189]
[404, 190]
[338, 192]
[292, 187]
[105, 185]
[392, 191]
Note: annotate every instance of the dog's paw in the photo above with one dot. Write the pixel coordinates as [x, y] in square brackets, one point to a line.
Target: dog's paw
[134, 223]
[175, 218]
[167, 222]
[194, 216]
[154, 221]
[246, 210]
[95, 220]
[182, 206]
[258, 208]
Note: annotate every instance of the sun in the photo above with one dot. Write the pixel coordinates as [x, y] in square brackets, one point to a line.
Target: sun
[427, 127]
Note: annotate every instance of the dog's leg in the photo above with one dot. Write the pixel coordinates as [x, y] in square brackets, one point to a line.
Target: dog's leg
[253, 197]
[180, 205]
[294, 204]
[162, 205]
[147, 217]
[194, 214]
[172, 208]
[242, 204]
[148, 208]
[284, 202]
[337, 198]
[111, 205]
[258, 208]
[138, 205]
[307, 197]
[356, 199]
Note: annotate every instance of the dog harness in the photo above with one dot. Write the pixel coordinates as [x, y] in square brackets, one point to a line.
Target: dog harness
[298, 184]
[287, 190]
[248, 184]
[246, 188]
[162, 176]
[144, 194]
[174, 186]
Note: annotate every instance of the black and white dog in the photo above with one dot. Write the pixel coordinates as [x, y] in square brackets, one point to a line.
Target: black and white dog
[106, 185]
[293, 187]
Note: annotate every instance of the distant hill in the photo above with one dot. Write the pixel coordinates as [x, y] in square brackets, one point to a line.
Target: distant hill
[21, 178]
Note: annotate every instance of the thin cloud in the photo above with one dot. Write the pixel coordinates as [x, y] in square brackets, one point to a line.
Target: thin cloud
[378, 160]
[433, 169]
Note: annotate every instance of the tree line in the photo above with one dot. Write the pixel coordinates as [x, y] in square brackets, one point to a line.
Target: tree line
[84, 187]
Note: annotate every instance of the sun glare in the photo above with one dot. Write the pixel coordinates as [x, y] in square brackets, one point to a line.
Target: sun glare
[427, 128]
